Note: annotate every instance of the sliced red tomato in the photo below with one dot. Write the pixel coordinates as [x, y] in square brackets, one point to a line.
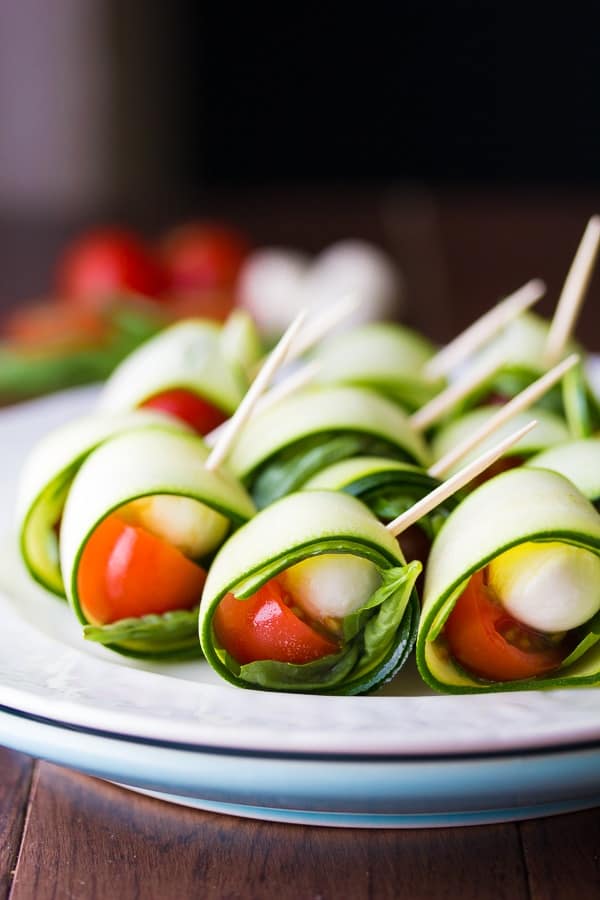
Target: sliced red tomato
[48, 325]
[188, 407]
[105, 262]
[127, 572]
[203, 256]
[486, 640]
[264, 627]
[215, 305]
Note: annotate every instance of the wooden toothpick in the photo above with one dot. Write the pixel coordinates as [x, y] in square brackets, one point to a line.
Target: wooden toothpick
[521, 402]
[321, 324]
[456, 482]
[274, 360]
[288, 385]
[447, 399]
[573, 293]
[483, 329]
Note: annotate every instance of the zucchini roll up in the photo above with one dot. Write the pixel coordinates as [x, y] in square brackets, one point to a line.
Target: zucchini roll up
[312, 595]
[46, 480]
[189, 370]
[388, 488]
[579, 461]
[512, 592]
[384, 357]
[520, 351]
[549, 431]
[282, 447]
[142, 521]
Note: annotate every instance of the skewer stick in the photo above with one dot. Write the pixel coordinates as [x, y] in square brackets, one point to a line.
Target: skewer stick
[321, 324]
[318, 326]
[456, 482]
[447, 399]
[289, 385]
[521, 402]
[574, 292]
[274, 360]
[483, 329]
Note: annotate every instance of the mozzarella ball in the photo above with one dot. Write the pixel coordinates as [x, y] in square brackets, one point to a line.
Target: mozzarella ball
[358, 270]
[187, 524]
[270, 288]
[548, 586]
[331, 585]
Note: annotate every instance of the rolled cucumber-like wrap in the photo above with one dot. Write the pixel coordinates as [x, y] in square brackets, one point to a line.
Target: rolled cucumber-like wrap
[388, 488]
[550, 430]
[46, 479]
[282, 447]
[520, 350]
[188, 365]
[512, 589]
[385, 357]
[312, 595]
[579, 461]
[142, 521]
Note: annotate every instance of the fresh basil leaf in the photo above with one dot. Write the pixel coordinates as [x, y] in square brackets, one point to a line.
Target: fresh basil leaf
[171, 632]
[288, 469]
[580, 408]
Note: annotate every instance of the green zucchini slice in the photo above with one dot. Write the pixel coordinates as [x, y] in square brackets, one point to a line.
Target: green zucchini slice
[376, 639]
[188, 355]
[579, 461]
[387, 487]
[386, 357]
[550, 430]
[520, 349]
[132, 466]
[47, 477]
[517, 507]
[281, 448]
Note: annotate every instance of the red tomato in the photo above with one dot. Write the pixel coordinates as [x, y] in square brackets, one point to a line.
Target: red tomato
[216, 305]
[264, 627]
[203, 257]
[127, 572]
[49, 325]
[188, 407]
[487, 641]
[102, 263]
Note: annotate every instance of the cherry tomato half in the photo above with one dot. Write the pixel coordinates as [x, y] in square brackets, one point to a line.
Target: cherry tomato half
[127, 572]
[203, 257]
[264, 627]
[186, 406]
[486, 640]
[102, 263]
[47, 325]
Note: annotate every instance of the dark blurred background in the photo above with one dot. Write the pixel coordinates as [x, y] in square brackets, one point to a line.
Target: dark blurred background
[446, 132]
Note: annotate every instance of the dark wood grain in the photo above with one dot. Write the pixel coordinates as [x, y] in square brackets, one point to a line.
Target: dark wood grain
[562, 855]
[86, 839]
[15, 780]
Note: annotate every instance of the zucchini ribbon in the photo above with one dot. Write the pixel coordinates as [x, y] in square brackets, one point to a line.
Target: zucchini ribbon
[515, 508]
[375, 639]
[284, 446]
[143, 464]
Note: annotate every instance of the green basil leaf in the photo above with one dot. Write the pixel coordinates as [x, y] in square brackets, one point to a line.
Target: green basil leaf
[172, 633]
[287, 470]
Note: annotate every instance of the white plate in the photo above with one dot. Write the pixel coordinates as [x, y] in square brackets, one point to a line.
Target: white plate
[402, 757]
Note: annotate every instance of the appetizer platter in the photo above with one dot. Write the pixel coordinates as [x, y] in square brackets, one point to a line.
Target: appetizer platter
[384, 566]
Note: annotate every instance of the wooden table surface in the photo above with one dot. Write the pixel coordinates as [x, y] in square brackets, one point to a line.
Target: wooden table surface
[63, 834]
